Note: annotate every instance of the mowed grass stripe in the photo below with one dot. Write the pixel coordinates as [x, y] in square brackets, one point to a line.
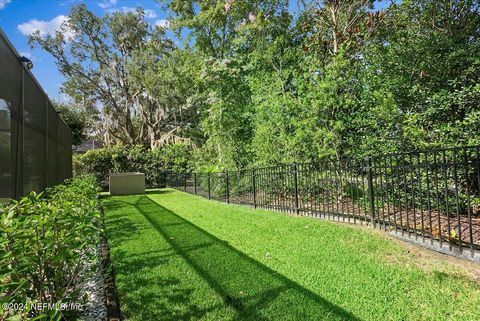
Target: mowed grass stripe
[179, 256]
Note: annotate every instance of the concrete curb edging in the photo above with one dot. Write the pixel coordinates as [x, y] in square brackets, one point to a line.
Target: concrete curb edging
[436, 246]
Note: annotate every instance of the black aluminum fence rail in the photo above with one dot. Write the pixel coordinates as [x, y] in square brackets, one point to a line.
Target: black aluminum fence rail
[429, 195]
[35, 143]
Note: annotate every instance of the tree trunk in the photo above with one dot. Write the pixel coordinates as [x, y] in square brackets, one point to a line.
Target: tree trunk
[333, 11]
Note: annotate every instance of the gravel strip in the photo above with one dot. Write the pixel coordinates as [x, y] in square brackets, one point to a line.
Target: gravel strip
[93, 289]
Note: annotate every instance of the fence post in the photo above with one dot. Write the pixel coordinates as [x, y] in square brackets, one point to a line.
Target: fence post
[195, 182]
[371, 198]
[185, 186]
[295, 182]
[208, 185]
[254, 189]
[227, 187]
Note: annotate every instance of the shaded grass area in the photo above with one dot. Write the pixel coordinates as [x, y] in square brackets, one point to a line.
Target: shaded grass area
[182, 257]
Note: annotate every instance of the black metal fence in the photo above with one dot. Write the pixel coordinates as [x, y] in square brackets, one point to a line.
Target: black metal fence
[35, 143]
[429, 195]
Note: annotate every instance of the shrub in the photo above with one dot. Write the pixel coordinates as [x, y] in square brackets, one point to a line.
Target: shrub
[175, 158]
[46, 239]
[120, 158]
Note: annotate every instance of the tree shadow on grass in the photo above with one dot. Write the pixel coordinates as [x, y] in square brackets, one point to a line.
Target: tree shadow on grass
[125, 228]
[253, 290]
[150, 296]
[146, 293]
[158, 191]
[155, 191]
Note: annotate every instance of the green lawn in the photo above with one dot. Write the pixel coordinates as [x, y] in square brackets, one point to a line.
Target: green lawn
[182, 257]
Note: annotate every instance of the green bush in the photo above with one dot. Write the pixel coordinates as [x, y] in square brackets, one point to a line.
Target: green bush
[120, 158]
[175, 158]
[46, 239]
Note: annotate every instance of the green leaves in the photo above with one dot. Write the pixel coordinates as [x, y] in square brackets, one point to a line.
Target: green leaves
[255, 83]
[120, 158]
[43, 237]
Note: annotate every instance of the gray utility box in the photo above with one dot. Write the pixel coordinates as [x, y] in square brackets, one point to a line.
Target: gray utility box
[127, 183]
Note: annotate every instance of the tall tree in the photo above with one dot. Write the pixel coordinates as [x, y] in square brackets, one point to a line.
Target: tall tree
[171, 101]
[95, 54]
[214, 25]
[224, 33]
[427, 59]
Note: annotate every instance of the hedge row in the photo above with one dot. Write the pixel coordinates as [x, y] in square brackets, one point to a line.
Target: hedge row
[120, 158]
[46, 240]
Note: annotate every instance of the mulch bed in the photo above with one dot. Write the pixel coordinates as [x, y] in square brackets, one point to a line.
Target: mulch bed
[451, 228]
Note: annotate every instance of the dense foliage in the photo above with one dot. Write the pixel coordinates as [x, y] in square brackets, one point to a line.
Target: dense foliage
[258, 82]
[77, 119]
[46, 239]
[121, 158]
